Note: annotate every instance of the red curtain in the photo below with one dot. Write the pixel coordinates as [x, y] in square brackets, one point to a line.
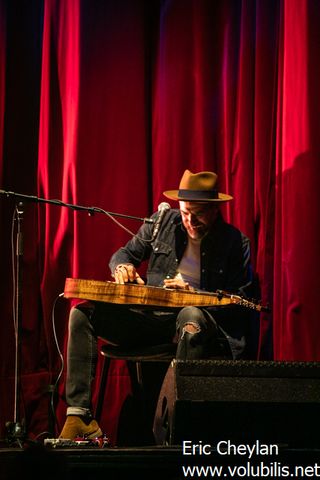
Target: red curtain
[105, 104]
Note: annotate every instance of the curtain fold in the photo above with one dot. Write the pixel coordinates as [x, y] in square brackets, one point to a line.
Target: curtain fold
[2, 80]
[105, 104]
[296, 214]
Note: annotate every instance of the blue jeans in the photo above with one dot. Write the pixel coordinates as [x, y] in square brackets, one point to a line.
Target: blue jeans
[131, 327]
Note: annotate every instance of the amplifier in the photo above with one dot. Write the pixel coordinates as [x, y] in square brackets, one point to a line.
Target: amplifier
[238, 400]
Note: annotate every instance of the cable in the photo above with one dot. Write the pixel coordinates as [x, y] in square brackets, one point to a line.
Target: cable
[100, 210]
[54, 389]
[13, 271]
[95, 209]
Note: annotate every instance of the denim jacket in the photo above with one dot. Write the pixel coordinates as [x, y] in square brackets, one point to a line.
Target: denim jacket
[225, 254]
[225, 261]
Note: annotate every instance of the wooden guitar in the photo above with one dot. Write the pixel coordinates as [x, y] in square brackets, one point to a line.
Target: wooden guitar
[134, 294]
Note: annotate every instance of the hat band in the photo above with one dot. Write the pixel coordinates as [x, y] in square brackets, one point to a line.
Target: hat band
[198, 194]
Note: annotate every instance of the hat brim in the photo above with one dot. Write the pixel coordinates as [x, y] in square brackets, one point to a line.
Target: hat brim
[174, 195]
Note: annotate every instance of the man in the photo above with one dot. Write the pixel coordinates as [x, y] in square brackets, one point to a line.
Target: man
[193, 249]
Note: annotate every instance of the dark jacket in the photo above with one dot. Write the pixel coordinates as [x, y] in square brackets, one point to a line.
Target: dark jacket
[225, 262]
[225, 254]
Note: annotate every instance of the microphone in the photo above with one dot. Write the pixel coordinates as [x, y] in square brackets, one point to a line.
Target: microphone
[162, 209]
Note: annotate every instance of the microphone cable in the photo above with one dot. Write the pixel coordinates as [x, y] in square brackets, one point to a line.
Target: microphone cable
[54, 387]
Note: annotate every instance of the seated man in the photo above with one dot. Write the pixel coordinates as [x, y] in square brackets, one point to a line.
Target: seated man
[193, 249]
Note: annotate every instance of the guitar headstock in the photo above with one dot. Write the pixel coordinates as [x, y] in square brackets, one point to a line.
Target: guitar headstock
[244, 302]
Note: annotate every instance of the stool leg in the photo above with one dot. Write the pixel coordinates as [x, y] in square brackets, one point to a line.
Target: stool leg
[139, 374]
[135, 377]
[102, 387]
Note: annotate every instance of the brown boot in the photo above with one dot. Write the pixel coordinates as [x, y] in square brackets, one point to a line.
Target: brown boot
[76, 426]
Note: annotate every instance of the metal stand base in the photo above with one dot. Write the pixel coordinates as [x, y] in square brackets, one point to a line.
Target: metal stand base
[16, 433]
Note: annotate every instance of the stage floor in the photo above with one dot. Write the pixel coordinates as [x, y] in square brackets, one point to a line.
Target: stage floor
[154, 462]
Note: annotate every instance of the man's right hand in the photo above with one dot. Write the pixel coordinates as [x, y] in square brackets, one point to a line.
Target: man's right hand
[126, 272]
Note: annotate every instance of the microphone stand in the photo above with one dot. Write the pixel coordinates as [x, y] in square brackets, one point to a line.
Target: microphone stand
[16, 430]
[89, 210]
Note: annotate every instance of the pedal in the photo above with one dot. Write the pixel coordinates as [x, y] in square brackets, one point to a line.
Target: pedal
[79, 442]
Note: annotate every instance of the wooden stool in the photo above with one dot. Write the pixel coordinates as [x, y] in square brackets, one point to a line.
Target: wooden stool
[134, 357]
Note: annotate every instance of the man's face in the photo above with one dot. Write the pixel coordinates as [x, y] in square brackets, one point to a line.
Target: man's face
[197, 217]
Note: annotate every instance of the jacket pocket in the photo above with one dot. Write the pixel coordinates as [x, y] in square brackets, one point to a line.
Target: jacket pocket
[161, 248]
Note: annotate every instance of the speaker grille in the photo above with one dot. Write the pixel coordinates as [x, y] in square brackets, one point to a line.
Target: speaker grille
[239, 400]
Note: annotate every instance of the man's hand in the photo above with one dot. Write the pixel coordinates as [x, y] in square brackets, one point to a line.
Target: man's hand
[126, 272]
[177, 283]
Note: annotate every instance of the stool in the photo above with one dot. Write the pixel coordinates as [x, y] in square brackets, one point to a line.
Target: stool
[134, 357]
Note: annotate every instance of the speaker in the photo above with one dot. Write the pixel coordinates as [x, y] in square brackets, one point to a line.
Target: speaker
[241, 401]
